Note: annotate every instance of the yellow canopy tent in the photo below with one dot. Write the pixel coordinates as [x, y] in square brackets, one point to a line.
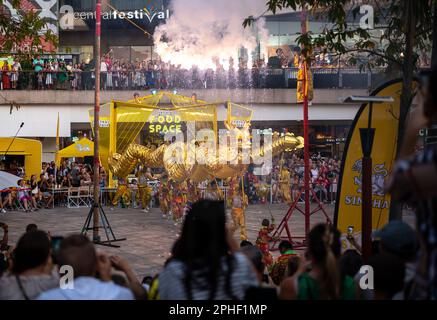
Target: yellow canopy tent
[29, 148]
[81, 148]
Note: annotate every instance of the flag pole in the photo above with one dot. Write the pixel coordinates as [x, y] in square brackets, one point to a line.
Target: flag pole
[96, 123]
[305, 85]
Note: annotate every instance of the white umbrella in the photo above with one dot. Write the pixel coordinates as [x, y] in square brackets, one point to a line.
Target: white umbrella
[8, 180]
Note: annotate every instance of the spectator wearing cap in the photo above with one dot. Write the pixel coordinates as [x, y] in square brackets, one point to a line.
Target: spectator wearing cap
[400, 239]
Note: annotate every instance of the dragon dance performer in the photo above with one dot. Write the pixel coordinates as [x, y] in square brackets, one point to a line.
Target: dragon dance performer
[192, 195]
[145, 191]
[177, 201]
[263, 240]
[284, 185]
[164, 197]
[123, 192]
[239, 204]
[262, 191]
[233, 185]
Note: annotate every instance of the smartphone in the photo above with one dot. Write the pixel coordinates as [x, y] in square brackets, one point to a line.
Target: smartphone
[56, 243]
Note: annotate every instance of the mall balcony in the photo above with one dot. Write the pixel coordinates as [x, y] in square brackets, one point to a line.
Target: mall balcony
[253, 87]
[270, 93]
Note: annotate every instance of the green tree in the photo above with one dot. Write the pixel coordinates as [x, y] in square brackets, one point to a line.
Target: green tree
[27, 28]
[406, 31]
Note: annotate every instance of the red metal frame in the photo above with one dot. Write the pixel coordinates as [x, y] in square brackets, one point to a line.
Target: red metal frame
[298, 242]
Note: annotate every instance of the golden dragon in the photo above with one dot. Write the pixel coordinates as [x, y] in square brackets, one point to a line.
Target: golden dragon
[179, 165]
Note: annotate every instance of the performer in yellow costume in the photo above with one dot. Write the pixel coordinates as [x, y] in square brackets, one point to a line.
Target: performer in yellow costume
[145, 192]
[123, 192]
[303, 70]
[164, 197]
[284, 185]
[239, 204]
[262, 192]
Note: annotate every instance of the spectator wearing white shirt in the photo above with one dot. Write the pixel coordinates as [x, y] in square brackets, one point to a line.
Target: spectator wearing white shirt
[103, 73]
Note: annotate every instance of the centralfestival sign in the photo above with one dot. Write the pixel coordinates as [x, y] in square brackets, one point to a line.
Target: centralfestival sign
[150, 14]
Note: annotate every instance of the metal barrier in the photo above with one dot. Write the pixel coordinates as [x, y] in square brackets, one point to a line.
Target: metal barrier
[187, 79]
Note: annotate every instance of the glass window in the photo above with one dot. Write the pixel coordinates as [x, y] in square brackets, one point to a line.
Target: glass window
[85, 53]
[142, 53]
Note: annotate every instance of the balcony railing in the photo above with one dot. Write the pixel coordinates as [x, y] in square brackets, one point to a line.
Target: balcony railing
[323, 78]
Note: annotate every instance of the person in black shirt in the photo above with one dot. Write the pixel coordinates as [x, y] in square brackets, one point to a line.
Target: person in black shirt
[75, 176]
[44, 188]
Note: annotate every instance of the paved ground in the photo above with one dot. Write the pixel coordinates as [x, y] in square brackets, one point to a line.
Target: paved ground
[149, 236]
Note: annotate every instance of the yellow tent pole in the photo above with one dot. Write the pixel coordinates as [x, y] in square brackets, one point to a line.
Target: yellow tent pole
[112, 136]
[228, 105]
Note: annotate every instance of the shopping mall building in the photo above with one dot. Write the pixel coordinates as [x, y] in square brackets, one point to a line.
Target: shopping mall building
[274, 104]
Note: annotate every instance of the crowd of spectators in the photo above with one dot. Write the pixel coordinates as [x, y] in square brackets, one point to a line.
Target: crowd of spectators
[37, 192]
[118, 74]
[123, 75]
[207, 263]
[324, 176]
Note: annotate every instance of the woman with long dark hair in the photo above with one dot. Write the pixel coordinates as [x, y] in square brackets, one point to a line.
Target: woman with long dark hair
[319, 278]
[32, 268]
[204, 263]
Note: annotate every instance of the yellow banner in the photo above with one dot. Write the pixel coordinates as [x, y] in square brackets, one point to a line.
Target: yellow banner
[385, 121]
[302, 89]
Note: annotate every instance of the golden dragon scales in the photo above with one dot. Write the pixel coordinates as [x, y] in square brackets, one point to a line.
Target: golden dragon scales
[179, 166]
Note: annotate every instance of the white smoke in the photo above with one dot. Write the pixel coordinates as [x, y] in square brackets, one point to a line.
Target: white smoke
[199, 32]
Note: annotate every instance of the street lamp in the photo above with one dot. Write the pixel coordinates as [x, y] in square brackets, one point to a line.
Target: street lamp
[366, 136]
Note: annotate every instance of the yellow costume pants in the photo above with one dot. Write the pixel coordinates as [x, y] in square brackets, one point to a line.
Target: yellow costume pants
[239, 221]
[286, 193]
[145, 193]
[122, 192]
[163, 205]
